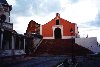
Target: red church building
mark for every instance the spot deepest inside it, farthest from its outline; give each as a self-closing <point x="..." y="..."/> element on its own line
<point x="59" y="28"/>
<point x="58" y="37"/>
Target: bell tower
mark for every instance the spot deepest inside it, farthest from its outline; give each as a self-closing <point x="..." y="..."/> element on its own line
<point x="5" y="9"/>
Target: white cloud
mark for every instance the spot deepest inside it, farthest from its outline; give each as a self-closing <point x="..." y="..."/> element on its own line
<point x="11" y="2"/>
<point x="21" y="25"/>
<point x="80" y="12"/>
<point x="22" y="22"/>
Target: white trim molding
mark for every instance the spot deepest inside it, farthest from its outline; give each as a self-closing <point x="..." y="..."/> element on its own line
<point x="57" y="26"/>
<point x="67" y="37"/>
<point x="40" y="29"/>
<point x="48" y="37"/>
<point x="63" y="37"/>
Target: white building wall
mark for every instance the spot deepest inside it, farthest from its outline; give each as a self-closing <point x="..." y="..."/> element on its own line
<point x="40" y="29"/>
<point x="7" y="16"/>
<point x="76" y="32"/>
<point x="90" y="43"/>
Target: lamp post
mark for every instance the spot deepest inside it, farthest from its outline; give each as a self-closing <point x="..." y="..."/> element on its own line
<point x="73" y="57"/>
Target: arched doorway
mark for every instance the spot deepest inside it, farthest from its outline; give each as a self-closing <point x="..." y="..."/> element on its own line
<point x="57" y="33"/>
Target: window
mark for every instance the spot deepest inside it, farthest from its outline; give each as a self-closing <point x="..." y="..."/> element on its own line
<point x="57" y="22"/>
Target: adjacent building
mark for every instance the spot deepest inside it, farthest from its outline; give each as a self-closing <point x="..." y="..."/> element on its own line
<point x="11" y="43"/>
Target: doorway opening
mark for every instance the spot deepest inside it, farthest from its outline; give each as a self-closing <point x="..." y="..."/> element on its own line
<point x="57" y="33"/>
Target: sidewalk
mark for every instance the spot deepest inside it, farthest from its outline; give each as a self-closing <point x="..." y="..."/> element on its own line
<point x="10" y="61"/>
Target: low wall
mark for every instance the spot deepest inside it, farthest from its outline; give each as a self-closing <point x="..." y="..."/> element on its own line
<point x="90" y="43"/>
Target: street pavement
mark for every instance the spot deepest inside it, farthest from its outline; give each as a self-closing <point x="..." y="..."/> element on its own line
<point x="55" y="61"/>
<point x="43" y="61"/>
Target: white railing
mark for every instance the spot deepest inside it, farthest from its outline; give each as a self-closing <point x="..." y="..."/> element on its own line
<point x="38" y="45"/>
<point x="4" y="53"/>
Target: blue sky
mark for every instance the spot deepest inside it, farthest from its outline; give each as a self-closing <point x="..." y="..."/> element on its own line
<point x="85" y="13"/>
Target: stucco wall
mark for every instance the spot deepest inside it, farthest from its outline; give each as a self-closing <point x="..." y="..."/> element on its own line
<point x="47" y="29"/>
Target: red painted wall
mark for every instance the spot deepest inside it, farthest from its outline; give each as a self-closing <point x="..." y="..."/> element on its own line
<point x="67" y="27"/>
<point x="47" y="30"/>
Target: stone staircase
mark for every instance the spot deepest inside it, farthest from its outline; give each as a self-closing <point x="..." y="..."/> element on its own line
<point x="60" y="47"/>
